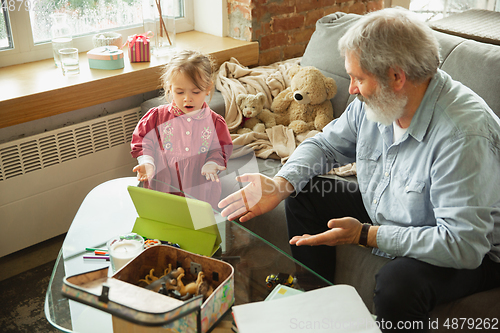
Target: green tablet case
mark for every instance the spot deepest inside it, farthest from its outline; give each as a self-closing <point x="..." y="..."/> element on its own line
<point x="188" y="222"/>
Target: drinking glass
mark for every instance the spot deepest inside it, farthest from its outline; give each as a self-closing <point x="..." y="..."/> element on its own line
<point x="61" y="35"/>
<point x="69" y="61"/>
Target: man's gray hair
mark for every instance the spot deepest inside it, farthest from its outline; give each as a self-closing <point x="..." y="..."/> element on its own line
<point x="393" y="38"/>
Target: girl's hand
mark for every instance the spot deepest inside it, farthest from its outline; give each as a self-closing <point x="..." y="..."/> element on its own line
<point x="210" y="171"/>
<point x="144" y="171"/>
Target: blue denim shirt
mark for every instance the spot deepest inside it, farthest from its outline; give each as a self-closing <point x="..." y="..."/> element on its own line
<point x="434" y="192"/>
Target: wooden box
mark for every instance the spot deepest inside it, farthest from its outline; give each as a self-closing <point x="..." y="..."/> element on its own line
<point x="137" y="309"/>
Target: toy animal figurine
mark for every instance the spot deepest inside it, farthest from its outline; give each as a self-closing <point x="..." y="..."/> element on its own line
<point x="171" y="284"/>
<point x="169" y="277"/>
<point x="190" y="288"/>
<point x="195" y="288"/>
<point x="204" y="288"/>
<point x="280" y="278"/>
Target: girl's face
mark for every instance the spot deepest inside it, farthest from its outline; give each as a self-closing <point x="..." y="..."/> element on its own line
<point x="186" y="95"/>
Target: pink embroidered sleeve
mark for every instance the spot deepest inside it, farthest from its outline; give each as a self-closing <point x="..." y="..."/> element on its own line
<point x="144" y="137"/>
<point x="221" y="149"/>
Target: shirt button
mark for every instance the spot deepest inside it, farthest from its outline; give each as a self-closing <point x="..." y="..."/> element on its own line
<point x="187" y="132"/>
<point x="187" y="148"/>
<point x="407" y="188"/>
<point x="374" y="201"/>
<point x="189" y="119"/>
<point x="387" y="174"/>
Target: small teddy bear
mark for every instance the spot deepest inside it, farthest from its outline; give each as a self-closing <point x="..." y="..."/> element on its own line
<point x="255" y="117"/>
<point x="305" y="105"/>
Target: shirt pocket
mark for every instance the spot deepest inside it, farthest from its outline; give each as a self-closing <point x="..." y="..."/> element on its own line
<point x="414" y="186"/>
<point x="414" y="201"/>
<point x="366" y="166"/>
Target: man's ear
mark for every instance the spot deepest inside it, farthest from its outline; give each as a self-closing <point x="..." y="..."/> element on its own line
<point x="397" y="78"/>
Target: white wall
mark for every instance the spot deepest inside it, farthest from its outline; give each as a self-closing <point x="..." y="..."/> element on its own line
<point x="210" y="16"/>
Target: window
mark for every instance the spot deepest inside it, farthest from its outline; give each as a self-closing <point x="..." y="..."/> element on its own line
<point x="437" y="9"/>
<point x="25" y="26"/>
<point x="5" y="35"/>
<point x="83" y="16"/>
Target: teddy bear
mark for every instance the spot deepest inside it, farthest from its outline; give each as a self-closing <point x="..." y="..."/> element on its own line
<point x="255" y="117"/>
<point x="305" y="105"/>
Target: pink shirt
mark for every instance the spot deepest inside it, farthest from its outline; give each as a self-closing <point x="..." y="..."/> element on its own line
<point x="180" y="145"/>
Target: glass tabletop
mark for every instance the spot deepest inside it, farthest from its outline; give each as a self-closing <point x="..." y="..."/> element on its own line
<point x="108" y="210"/>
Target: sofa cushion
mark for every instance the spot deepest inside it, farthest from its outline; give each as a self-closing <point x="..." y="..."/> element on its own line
<point x="447" y="43"/>
<point x="476" y="65"/>
<point x="322" y="52"/>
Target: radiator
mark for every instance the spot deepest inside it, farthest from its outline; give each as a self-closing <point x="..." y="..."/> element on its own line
<point x="44" y="178"/>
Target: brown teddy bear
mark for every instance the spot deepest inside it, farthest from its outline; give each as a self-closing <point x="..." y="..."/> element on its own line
<point x="305" y="105"/>
<point x="255" y="117"/>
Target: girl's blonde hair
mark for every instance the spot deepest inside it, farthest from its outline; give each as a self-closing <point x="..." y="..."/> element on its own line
<point x="198" y="67"/>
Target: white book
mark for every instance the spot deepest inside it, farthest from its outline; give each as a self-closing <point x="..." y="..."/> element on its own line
<point x="336" y="308"/>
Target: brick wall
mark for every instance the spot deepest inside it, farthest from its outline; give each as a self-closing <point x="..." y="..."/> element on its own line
<point x="283" y="27"/>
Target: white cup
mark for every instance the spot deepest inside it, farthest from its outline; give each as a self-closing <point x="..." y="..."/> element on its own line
<point x="69" y="61"/>
<point x="124" y="248"/>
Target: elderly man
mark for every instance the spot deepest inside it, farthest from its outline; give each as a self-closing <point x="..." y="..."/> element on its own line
<point x="427" y="150"/>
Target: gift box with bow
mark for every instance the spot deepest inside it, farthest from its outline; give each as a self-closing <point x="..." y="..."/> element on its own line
<point x="105" y="57"/>
<point x="139" y="47"/>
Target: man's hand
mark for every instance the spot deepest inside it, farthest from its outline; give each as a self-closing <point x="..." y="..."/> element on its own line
<point x="259" y="197"/>
<point x="144" y="171"/>
<point x="345" y="230"/>
<point x="210" y="171"/>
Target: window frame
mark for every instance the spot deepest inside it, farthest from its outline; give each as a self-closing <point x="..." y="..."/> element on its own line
<point x="24" y="50"/>
<point x="6" y="19"/>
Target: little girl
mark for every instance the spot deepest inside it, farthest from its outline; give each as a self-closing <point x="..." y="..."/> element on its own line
<point x="181" y="147"/>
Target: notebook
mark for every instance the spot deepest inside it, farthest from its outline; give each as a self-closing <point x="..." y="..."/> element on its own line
<point x="188" y="222"/>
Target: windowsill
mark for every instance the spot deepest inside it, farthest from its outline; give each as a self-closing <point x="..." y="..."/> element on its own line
<point x="38" y="89"/>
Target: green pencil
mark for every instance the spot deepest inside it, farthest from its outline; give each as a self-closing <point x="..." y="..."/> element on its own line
<point x="93" y="249"/>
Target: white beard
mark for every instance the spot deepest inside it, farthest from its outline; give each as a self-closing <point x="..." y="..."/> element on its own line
<point x="384" y="106"/>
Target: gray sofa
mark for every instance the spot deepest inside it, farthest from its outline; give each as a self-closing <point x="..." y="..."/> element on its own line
<point x="475" y="64"/>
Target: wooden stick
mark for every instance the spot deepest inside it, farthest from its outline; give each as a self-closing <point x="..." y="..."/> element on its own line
<point x="162" y="23"/>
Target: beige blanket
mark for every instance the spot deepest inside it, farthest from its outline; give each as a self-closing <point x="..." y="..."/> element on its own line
<point x="278" y="142"/>
<point x="234" y="79"/>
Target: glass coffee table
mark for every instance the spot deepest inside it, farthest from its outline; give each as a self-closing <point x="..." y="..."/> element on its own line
<point x="108" y="210"/>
